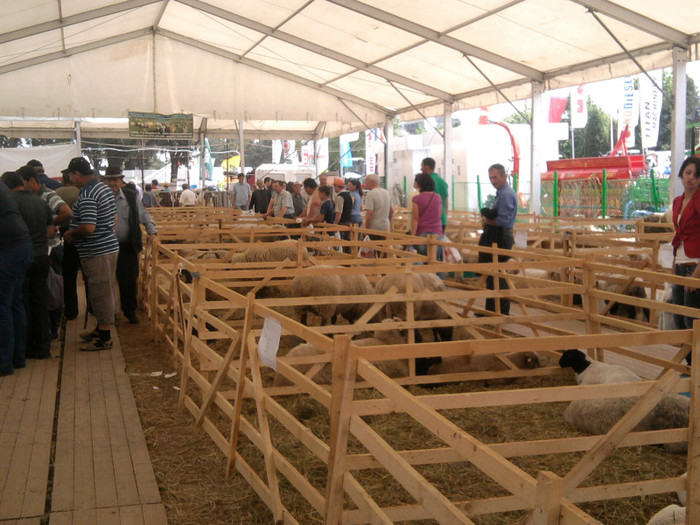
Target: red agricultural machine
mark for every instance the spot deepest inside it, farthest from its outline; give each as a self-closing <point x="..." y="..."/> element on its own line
<point x="591" y="186"/>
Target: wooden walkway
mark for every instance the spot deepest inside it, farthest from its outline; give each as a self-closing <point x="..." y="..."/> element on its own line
<point x="100" y="470"/>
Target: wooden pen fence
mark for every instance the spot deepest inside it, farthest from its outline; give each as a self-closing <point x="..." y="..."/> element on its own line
<point x="212" y="315"/>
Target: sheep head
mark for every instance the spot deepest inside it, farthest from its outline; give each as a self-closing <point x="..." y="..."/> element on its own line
<point x="575" y="359"/>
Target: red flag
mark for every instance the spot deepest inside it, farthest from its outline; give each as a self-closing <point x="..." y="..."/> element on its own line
<point x="557" y="106"/>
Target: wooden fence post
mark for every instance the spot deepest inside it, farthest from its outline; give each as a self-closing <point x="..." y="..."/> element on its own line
<point x="342" y="390"/>
<point x="693" y="481"/>
<point x="547" y="499"/>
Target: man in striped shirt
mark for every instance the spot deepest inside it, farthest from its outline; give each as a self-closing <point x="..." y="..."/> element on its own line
<point x="92" y="231"/>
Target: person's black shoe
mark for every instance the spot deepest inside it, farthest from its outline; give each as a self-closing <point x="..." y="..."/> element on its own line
<point x="133" y="319"/>
<point x="89" y="335"/>
<point x="21" y="365"/>
<point x="96" y="345"/>
<point x="6" y="371"/>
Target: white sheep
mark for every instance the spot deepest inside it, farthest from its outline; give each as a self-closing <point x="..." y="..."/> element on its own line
<point x="392" y="368"/>
<point x="597" y="416"/>
<point x="671" y="515"/>
<point x="594" y="372"/>
<point x="321" y="284"/>
<point x="326" y="284"/>
<point x="667" y="320"/>
<point x="353" y="284"/>
<point x="269" y="252"/>
<point x="422" y="310"/>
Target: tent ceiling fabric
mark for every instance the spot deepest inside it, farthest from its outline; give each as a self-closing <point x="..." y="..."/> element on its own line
<point x="348" y="63"/>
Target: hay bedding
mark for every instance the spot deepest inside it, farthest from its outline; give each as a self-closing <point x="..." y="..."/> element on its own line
<point x="189" y="467"/>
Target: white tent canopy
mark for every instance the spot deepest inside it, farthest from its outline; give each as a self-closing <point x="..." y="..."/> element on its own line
<point x="297" y="68"/>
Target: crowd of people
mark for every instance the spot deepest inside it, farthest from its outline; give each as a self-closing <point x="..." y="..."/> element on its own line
<point x="50" y="232"/>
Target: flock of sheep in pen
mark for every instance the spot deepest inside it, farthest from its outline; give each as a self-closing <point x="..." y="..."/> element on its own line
<point x="595" y="416"/>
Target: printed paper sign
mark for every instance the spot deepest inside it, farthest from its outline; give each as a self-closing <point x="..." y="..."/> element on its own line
<point x="269" y="342"/>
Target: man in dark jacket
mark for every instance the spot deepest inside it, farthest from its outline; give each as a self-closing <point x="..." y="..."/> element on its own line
<point x="15" y="256"/>
<point x="39" y="219"/>
<point x="130" y="214"/>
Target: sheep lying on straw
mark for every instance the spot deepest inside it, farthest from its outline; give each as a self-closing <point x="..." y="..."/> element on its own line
<point x="597" y="416"/>
<point x="392" y="368"/>
<point x="671" y="515"/>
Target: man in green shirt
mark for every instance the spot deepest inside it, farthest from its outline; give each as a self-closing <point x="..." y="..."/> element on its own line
<point x="427" y="166"/>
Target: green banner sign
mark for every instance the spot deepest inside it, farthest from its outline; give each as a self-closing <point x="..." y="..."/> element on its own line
<point x="155" y="125"/>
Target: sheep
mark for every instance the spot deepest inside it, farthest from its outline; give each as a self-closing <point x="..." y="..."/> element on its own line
<point x="325" y="284"/>
<point x="484" y="363"/>
<point x="422" y="310"/>
<point x="392" y="368"/>
<point x="667" y="320"/>
<point x="278" y="251"/>
<point x="597" y="416"/>
<point x="671" y="515"/>
<point x="353" y="284"/>
<point x="621" y="309"/>
<point x="683" y="494"/>
<point x="310" y="286"/>
<point x="594" y="372"/>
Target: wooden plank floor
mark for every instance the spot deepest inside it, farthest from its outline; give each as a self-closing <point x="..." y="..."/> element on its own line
<point x="27" y="405"/>
<point x="102" y="472"/>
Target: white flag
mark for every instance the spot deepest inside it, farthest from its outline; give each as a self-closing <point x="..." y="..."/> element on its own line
<point x="651" y="100"/>
<point x="628" y="112"/>
<point x="579" y="110"/>
<point x="322" y="155"/>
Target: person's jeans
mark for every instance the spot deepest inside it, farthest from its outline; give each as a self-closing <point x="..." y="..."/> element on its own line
<point x="422" y="249"/>
<point x="13" y="321"/>
<point x="36" y="303"/>
<point x="681" y="297"/>
<point x="70" y="265"/>
<point x="127" y="277"/>
<point x="505" y="240"/>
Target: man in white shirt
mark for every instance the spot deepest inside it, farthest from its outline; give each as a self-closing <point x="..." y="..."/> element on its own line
<point x="281" y="204"/>
<point x="187" y="197"/>
<point x="241" y="194"/>
<point x="378" y="209"/>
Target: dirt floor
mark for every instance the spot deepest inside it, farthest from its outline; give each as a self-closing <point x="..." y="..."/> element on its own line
<point x="190" y="469"/>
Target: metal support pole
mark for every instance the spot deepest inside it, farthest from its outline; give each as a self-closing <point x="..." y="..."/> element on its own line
<point x="537" y="129"/>
<point x="241" y="147"/>
<point x="604" y="196"/>
<point x="678" y="119"/>
<point x="447" y="145"/>
<point x="389" y="166"/>
<point x="654" y="189"/>
<point x="478" y="191"/>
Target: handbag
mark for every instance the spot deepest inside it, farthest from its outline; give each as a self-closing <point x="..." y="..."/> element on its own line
<point x="55" y="285"/>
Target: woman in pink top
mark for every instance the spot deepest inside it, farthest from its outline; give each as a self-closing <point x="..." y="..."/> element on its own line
<point x="426" y="212"/>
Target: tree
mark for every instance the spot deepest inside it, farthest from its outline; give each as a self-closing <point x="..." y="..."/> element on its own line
<point x="592" y="140"/>
<point x="691" y="107"/>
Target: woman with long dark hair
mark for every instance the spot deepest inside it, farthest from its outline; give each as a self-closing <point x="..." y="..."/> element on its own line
<point x="686" y="242"/>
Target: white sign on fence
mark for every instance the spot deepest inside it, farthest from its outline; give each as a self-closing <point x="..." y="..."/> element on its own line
<point x="269" y="342"/>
